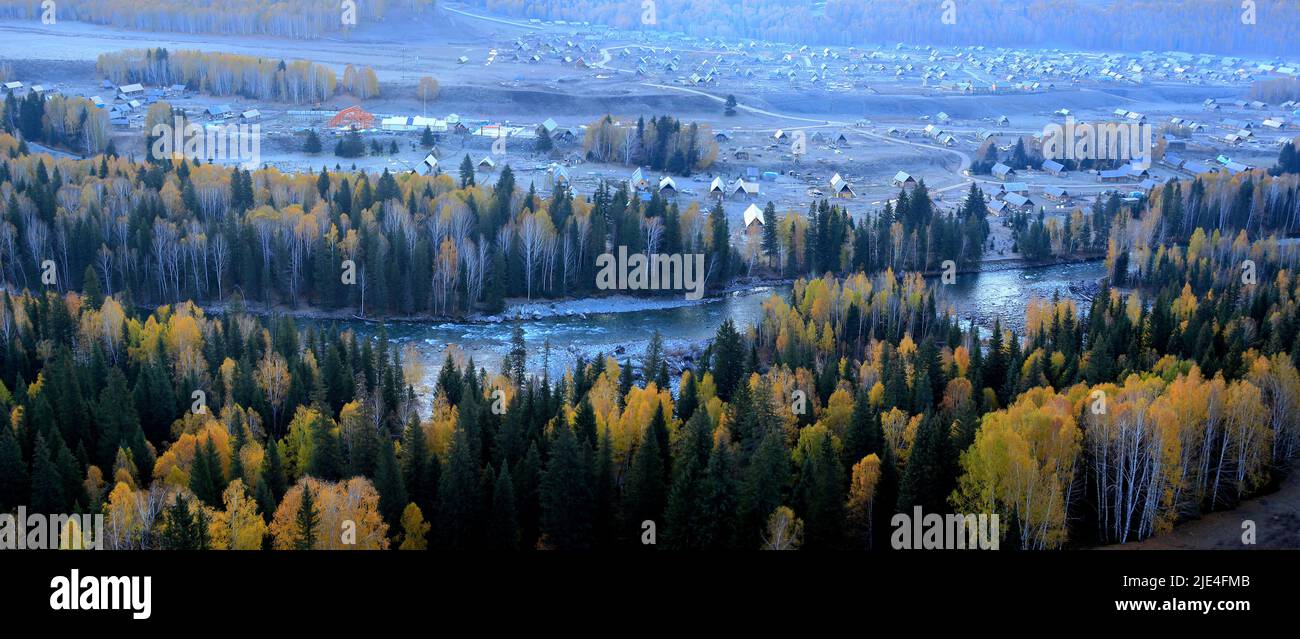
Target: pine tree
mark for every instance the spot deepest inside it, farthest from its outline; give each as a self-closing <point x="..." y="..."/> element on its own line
<point x="544" y="142"/>
<point x="565" y="494"/>
<point x="116" y="417"/>
<point x="13" y="472"/>
<point x="202" y="482"/>
<point x="306" y="520"/>
<point x="351" y="146"/>
<point x="605" y="493"/>
<point x="71" y="473"/>
<point x="466" y="172"/>
<point x="645" y="492"/>
<point x="659" y="428"/>
<point x="91" y="288"/>
<point x="820" y="495"/>
<point x="323" y="184"/>
<point x="655" y="367"/>
<point x="494" y="296"/>
<point x="771" y="245"/>
<point x="185" y="527"/>
<point x="995" y="364"/>
<point x="450" y="383"/>
<point x="624" y="381"/>
<point x="895" y="383"/>
<point x="312" y="143"/>
<point x="930" y="476"/>
<point x="1019" y="159"/>
<point x="389" y="485"/>
<point x="266" y="503"/>
<point x="721" y="500"/>
<point x="743" y="420"/>
<point x="864" y="436"/>
<point x="236" y="445"/>
<point x="584" y="423"/>
<point x="728" y="359"/>
<point x="922" y="400"/>
<point x="517" y="359"/>
<point x="684" y="524"/>
<point x="886" y="496"/>
<point x="766" y="480"/>
<point x="460" y="500"/>
<point x="687" y="401"/>
<point x="47" y="485"/>
<point x="362" y="444"/>
<point x="975" y="371"/>
<point x="419" y="470"/>
<point x="720" y="259"/>
<point x="528" y="480"/>
<point x="503" y="529"/>
<point x="155" y="401"/>
<point x="273" y="471"/>
<point x="326" y="461"/>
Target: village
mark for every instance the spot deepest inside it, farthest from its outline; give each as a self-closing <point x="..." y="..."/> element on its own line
<point x="791" y="123"/>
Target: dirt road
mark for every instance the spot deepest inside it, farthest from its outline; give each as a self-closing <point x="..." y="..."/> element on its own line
<point x="1276" y="519"/>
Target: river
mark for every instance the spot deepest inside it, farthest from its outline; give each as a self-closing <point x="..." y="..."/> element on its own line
<point x="985" y="296"/>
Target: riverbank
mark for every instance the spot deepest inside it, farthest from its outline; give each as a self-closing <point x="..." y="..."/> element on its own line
<point x="1021" y="264"/>
<point x="516" y="308"/>
<point x="583" y="307"/>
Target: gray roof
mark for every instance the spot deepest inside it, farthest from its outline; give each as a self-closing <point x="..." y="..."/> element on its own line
<point x="1015" y="199"/>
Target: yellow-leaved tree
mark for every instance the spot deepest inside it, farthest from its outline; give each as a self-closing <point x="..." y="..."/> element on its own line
<point x="1022" y="466"/>
<point x="345" y="516"/>
<point x="414" y="529"/>
<point x="638" y="410"/>
<point x="173" y="467"/>
<point x="238" y="527"/>
<point x="862" y="495"/>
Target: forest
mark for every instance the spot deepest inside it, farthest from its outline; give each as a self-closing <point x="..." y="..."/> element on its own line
<point x="1030" y="155"/>
<point x="70" y="122"/>
<point x="295" y="431"/>
<point x="225" y="74"/>
<point x="856" y="396"/>
<point x="303" y="19"/>
<point x="662" y="143"/>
